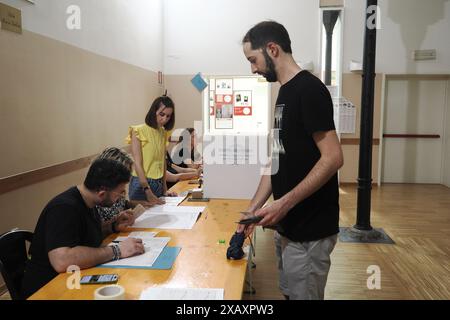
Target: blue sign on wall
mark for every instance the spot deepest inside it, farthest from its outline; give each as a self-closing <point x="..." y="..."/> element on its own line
<point x="199" y="83"/>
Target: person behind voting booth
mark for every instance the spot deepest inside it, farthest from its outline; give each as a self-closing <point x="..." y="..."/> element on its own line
<point x="184" y="153"/>
<point x="111" y="213"/>
<point x="180" y="171"/>
<point x="148" y="148"/>
<point x="305" y="210"/>
<point x="69" y="231"/>
<point x="175" y="173"/>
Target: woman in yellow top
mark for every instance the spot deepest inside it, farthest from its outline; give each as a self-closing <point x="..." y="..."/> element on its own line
<point x="148" y="148"/>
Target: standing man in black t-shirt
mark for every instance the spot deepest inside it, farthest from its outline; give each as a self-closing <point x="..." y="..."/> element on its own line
<point x="69" y="231"/>
<point x="307" y="155"/>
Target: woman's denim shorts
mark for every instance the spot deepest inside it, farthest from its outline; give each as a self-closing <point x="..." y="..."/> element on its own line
<point x="135" y="191"/>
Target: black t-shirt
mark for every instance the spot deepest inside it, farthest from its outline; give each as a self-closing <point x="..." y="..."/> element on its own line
<point x="170" y="169"/>
<point x="66" y="221"/>
<point x="304" y="106"/>
<point x="169" y="163"/>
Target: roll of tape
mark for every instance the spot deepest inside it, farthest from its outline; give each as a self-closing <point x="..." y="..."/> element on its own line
<point x="112" y="292"/>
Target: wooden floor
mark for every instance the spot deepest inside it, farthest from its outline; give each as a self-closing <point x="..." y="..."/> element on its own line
<point x="416" y="217"/>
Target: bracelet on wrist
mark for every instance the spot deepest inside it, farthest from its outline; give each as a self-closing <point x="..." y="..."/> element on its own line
<point x="119" y="253"/>
<point x="116" y="252"/>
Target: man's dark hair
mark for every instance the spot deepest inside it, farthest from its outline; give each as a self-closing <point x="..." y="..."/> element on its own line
<point x="150" y="118"/>
<point x="268" y="31"/>
<point x="106" y="174"/>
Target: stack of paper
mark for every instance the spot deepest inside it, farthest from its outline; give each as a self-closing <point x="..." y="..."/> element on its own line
<point x="168" y="217"/>
<point x="153" y="248"/>
<point x="144" y="235"/>
<point x="182" y="294"/>
<point x="173" y="201"/>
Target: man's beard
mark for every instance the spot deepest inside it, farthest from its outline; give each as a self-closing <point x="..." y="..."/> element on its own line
<point x="270" y="74"/>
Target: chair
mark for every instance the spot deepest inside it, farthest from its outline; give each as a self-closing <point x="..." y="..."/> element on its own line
<point x="13" y="257"/>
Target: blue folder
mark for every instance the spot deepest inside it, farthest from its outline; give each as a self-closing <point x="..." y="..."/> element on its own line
<point x="164" y="261"/>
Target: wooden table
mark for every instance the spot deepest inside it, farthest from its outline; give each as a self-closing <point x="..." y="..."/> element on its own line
<point x="201" y="263"/>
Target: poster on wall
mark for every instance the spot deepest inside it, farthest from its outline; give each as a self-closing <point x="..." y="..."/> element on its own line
<point x="212" y="84"/>
<point x="224" y="116"/>
<point x="224" y="98"/>
<point x="243" y="103"/>
<point x="224" y="86"/>
<point x="211" y="98"/>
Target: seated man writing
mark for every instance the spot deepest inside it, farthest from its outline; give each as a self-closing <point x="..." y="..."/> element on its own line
<point x="70" y="232"/>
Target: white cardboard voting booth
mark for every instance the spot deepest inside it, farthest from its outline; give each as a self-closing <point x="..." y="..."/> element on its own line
<point x="235" y="141"/>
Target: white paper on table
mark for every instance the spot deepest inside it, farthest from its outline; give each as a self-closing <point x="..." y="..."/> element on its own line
<point x="153" y="248"/>
<point x="168" y="217"/>
<point x="138" y="235"/>
<point x="138" y="210"/>
<point x="182" y="294"/>
<point x="174" y="209"/>
<point x="172" y="201"/>
<point x="166" y="220"/>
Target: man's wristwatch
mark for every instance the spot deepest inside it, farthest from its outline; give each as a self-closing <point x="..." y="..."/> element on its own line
<point x="145" y="188"/>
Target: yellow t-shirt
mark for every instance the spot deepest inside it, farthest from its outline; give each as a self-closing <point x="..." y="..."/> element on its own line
<point x="153" y="142"/>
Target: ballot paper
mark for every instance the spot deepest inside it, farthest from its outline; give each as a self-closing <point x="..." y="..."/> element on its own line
<point x="138" y="210"/>
<point x="168" y="217"/>
<point x="160" y="293"/>
<point x="172" y="201"/>
<point x="153" y="248"/>
<point x="144" y="235"/>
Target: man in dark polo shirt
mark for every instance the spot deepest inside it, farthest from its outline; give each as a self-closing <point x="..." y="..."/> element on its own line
<point x="69" y="230"/>
<point x="307" y="156"/>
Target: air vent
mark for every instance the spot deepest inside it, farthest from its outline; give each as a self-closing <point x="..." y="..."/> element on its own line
<point x="424" y="55"/>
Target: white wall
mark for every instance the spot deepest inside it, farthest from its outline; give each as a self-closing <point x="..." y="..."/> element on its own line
<point x="205" y="35"/>
<point x="406" y="25"/>
<point x="188" y="36"/>
<point x="126" y="30"/>
<point x="209" y="40"/>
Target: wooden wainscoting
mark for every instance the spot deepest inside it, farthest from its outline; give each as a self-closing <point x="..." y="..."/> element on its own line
<point x="21" y="180"/>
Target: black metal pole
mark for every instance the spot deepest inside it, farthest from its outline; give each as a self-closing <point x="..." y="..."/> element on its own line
<point x="329" y="21"/>
<point x="329" y="49"/>
<point x="366" y="134"/>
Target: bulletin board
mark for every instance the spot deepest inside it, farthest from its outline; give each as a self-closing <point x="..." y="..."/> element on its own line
<point x="237" y="104"/>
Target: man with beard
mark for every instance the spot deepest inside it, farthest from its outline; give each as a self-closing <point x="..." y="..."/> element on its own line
<point x="69" y="231"/>
<point x="307" y="155"/>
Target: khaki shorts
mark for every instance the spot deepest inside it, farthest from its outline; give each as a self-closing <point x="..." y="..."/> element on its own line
<point x="303" y="266"/>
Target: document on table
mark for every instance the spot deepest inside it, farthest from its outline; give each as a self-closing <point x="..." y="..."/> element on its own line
<point x="168" y="217"/>
<point x="173" y="201"/>
<point x="144" y="235"/>
<point x="153" y="248"/>
<point x="182" y="294"/>
<point x="138" y="211"/>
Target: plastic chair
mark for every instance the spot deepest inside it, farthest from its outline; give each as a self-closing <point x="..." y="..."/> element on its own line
<point x="13" y="258"/>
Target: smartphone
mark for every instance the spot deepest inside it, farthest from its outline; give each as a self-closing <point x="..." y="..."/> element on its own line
<point x="254" y="219"/>
<point x="99" y="279"/>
